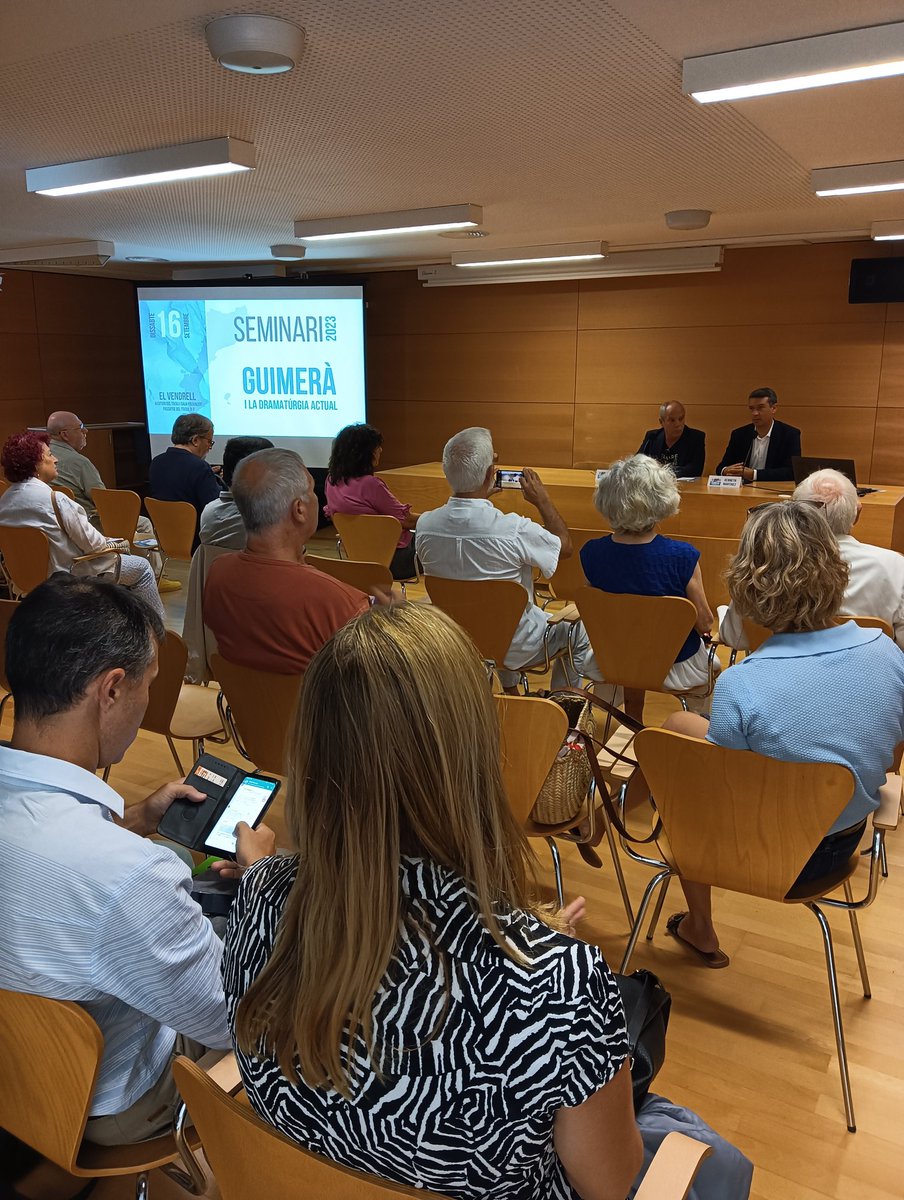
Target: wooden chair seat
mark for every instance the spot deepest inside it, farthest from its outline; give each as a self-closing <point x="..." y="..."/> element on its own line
<point x="196" y="714"/>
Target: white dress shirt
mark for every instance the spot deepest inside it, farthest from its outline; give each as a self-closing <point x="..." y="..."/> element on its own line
<point x="759" y="448"/>
<point x="94" y="913"/>
<point x="472" y="539"/>
<point x="222" y="524"/>
<point x="69" y="534"/>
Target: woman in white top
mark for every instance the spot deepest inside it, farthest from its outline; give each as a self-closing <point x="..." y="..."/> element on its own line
<point x="30" y="468"/>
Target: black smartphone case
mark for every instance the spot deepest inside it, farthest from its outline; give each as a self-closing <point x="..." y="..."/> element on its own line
<point x="188" y="822"/>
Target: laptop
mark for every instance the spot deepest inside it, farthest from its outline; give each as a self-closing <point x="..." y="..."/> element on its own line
<point x="802" y="467"/>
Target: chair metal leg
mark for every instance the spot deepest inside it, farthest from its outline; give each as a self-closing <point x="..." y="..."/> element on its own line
<point x="616" y="863"/>
<point x="141" y="1186"/>
<point x="836" y="1015"/>
<point x="858" y="944"/>
<point x="883" y="857"/>
<point x="557" y="867"/>
<point x="172" y="746"/>
<point x="641" y="914"/>
<point x="657" y="912"/>
<point x="106" y="774"/>
<point x="192" y="1179"/>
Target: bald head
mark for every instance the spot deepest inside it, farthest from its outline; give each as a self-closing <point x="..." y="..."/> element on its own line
<point x="838" y="494"/>
<point x="67" y="427"/>
<point x="671" y="418"/>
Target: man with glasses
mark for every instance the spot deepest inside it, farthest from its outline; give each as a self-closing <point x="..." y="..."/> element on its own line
<point x="180" y="472"/>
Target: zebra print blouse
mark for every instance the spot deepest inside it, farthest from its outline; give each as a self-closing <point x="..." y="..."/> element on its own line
<point x="469" y="1111"/>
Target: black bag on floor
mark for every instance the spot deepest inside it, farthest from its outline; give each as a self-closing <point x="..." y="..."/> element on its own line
<point x="647" y="1005"/>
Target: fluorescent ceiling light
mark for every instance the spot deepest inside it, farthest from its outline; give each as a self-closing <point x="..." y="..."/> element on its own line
<point x="194" y="160"/>
<point x="671" y="261"/>
<point x="521" y="256"/>
<point x="831" y="58"/>
<point x="62" y="254"/>
<point x="887" y="231"/>
<point x="858" y="180"/>
<point x="413" y="220"/>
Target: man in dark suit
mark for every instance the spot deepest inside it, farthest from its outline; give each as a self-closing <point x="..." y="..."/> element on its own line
<point x="764" y="448"/>
<point x="674" y="443"/>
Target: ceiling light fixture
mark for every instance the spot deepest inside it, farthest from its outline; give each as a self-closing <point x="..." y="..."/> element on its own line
<point x="253" y="44"/>
<point x="62" y="254"/>
<point x="287" y="251"/>
<point x="858" y="180"/>
<point x="831" y="58"/>
<point x="193" y="160"/>
<point x="414" y="220"/>
<point x="688" y="218"/>
<point x="670" y="261"/>
<point x="531" y="256"/>
<point x="887" y="231"/>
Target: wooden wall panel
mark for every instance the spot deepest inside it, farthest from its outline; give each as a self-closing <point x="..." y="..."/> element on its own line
<point x="524" y="434"/>
<point x="17" y="303"/>
<point x="86" y="305"/>
<point x="440" y="368"/>
<point x="98" y="377"/>
<point x="774" y="285"/>
<point x="805" y="364"/>
<point x="891" y="381"/>
<point x="888" y="446"/>
<point x="20" y="377"/>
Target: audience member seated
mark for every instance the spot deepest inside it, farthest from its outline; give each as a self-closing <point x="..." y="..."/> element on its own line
<point x="674" y="443"/>
<point x="266" y="608"/>
<point x="469" y="538"/>
<point x="352" y="487"/>
<point x="814" y="692"/>
<point x="91" y="909"/>
<point x="442" y="958"/>
<point x="180" y="472"/>
<point x="875" y="586"/>
<point x="221" y="521"/>
<point x="633" y="497"/>
<point x="30" y="468"/>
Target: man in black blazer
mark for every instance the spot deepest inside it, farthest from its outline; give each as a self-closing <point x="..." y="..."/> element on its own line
<point x="674" y="443"/>
<point x="764" y="448"/>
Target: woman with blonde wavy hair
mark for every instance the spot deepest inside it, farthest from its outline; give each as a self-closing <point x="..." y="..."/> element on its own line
<point x="816" y="691"/>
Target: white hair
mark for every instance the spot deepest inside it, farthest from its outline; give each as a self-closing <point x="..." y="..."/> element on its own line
<point x="839" y="494"/>
<point x="635" y="494"/>
<point x="265" y="486"/>
<point x="664" y="408"/>
<point x="466" y="459"/>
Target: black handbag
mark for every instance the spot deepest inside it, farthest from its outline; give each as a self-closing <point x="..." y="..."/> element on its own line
<point x="647" y="1005"/>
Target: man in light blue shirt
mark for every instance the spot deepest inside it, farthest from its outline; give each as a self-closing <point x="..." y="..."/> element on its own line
<point x="93" y="911"/>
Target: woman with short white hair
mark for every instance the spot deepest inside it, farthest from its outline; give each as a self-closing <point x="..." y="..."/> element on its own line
<point x="634" y="496"/>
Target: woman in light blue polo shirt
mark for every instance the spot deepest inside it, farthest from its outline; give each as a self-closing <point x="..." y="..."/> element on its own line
<point x="814" y="692"/>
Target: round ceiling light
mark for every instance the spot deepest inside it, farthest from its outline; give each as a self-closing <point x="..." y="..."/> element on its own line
<point x="287" y="251"/>
<point x="255" y="45"/>
<point x="688" y="218"/>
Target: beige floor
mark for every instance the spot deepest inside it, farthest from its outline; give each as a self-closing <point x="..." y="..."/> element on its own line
<point x="750" y="1048"/>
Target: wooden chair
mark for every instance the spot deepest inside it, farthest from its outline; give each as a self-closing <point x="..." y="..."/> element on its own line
<point x="756" y="635"/>
<point x="259" y="708"/>
<point x="175" y="523"/>
<point x="26" y="557"/>
<point x="370" y="577"/>
<point x="51" y="1052"/>
<point x="367" y="537"/>
<point x="249" y="1157"/>
<point x="118" y="510"/>
<point x="569" y="574"/>
<point x="741" y="821"/>
<point x="61" y="487"/>
<point x="184" y="711"/>
<point x="7" y="608"/>
<point x="4" y="484"/>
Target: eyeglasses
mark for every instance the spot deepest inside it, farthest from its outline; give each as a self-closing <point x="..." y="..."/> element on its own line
<point x="205" y="437"/>
<point x="772" y="503"/>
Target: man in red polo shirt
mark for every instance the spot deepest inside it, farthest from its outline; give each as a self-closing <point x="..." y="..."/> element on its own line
<point x="266" y="608"/>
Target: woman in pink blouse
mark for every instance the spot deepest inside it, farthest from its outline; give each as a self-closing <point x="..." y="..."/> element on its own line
<point x="352" y="487"/>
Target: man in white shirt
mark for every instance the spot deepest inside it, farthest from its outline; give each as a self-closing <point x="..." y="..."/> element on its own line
<point x="469" y="538"/>
<point x="876" y="581"/>
<point x="763" y="449"/>
<point x="91" y="910"/>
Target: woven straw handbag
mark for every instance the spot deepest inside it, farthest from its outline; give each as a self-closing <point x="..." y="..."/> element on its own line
<point x="565" y="787"/>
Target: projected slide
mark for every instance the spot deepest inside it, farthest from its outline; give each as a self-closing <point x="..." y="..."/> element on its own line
<point x="287" y="364"/>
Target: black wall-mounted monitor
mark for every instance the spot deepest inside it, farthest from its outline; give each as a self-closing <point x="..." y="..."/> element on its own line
<point x="876" y="281"/>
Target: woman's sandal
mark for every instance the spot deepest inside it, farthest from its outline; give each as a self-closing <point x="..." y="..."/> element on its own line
<point x="714" y="959"/>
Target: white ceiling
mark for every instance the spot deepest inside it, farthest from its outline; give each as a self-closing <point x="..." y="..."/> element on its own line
<point x="564" y="120"/>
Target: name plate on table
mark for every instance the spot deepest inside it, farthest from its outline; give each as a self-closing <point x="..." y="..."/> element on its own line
<point x="725" y="483"/>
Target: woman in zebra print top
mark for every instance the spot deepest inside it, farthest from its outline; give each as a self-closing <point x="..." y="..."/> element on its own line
<point x="399" y="1002"/>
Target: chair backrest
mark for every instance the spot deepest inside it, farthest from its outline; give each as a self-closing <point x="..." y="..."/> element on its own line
<point x="569" y="574"/>
<point x="175" y="522"/>
<point x="868" y="623"/>
<point x="250" y="1158"/>
<point x="163" y="695"/>
<point x="51" y="1052"/>
<point x="635" y="639"/>
<point x="368" y="537"/>
<point x="487" y="609"/>
<point x="262" y="706"/>
<point x="118" y="510"/>
<point x="755" y="634"/>
<point x="7" y="608"/>
<point x="370" y="577"/>
<point x="4" y="484"/>
<point x="26" y="555"/>
<point x="531" y="732"/>
<point x="736" y="819"/>
<point x="61" y="487"/>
